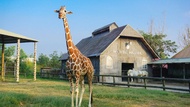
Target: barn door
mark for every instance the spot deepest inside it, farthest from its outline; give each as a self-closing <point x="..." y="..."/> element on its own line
<point x="125" y="67"/>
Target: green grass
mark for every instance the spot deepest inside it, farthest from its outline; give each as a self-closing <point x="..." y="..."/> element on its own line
<point x="55" y="93"/>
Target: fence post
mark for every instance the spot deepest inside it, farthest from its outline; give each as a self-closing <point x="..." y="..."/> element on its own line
<point x="102" y="79"/>
<point x="113" y="80"/>
<point x="128" y="79"/>
<point x="144" y="83"/>
<point x="189" y="86"/>
<point x="163" y="83"/>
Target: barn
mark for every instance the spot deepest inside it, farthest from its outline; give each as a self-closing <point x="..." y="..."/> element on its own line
<point x="114" y="50"/>
<point x="176" y="67"/>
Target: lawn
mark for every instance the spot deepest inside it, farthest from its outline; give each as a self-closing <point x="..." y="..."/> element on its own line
<point x="55" y="93"/>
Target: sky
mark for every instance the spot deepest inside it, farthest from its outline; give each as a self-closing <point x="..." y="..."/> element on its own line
<point x="36" y="19"/>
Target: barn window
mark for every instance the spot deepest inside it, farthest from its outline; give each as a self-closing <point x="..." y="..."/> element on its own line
<point x="109" y="62"/>
<point x="144" y="64"/>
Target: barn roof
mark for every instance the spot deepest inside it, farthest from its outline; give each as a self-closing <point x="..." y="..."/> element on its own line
<point x="10" y="37"/>
<point x="95" y="45"/>
<point x="104" y="28"/>
<point x="184" y="53"/>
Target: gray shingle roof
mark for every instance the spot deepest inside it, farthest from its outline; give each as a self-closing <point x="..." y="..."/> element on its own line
<point x="95" y="45"/>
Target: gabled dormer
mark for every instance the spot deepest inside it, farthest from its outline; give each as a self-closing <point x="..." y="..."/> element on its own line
<point x="105" y="29"/>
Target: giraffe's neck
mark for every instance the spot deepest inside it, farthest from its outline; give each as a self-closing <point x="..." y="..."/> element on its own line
<point x="69" y="42"/>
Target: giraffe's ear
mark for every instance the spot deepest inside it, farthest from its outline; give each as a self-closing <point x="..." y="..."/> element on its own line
<point x="69" y="12"/>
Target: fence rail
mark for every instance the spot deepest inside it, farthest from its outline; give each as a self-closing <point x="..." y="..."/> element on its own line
<point x="147" y="82"/>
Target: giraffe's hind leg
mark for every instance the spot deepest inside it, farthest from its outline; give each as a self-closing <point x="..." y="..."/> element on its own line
<point x="90" y="78"/>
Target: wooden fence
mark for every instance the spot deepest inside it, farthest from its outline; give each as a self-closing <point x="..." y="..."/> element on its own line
<point x="150" y="82"/>
<point x="147" y="82"/>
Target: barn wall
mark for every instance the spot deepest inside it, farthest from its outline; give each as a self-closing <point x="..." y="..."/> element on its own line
<point x="96" y="64"/>
<point x="123" y="50"/>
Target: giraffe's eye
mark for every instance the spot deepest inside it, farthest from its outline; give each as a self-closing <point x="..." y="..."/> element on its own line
<point x="65" y="11"/>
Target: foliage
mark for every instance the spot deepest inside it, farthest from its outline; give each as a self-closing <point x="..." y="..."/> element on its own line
<point x="24" y="68"/>
<point x="46" y="93"/>
<point x="54" y="60"/>
<point x="162" y="47"/>
<point x="23" y="55"/>
<point x="27" y="67"/>
<point x="43" y="60"/>
<point x="9" y="51"/>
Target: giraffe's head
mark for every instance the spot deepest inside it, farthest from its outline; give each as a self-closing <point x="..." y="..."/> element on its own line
<point x="62" y="12"/>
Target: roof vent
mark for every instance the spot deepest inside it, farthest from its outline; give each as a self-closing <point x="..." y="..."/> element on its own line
<point x="105" y="29"/>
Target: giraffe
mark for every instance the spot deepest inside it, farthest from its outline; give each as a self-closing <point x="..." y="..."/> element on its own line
<point x="77" y="66"/>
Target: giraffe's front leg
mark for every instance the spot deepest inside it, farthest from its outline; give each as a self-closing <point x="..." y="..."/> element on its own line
<point x="72" y="93"/>
<point x="71" y="88"/>
<point x="82" y="90"/>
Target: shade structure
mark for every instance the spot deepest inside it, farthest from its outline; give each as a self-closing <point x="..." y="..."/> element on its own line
<point x="7" y="37"/>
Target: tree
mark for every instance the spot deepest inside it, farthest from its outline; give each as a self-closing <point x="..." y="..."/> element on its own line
<point x="9" y="51"/>
<point x="162" y="47"/>
<point x="43" y="60"/>
<point x="54" y="60"/>
<point x="24" y="68"/>
<point x="184" y="38"/>
<point x="23" y="55"/>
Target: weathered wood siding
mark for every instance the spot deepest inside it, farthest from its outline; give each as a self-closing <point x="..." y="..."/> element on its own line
<point x="118" y="52"/>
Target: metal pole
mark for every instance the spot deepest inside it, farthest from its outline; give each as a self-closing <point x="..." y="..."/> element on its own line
<point x="2" y="62"/>
<point x="18" y="60"/>
<point x="35" y="50"/>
